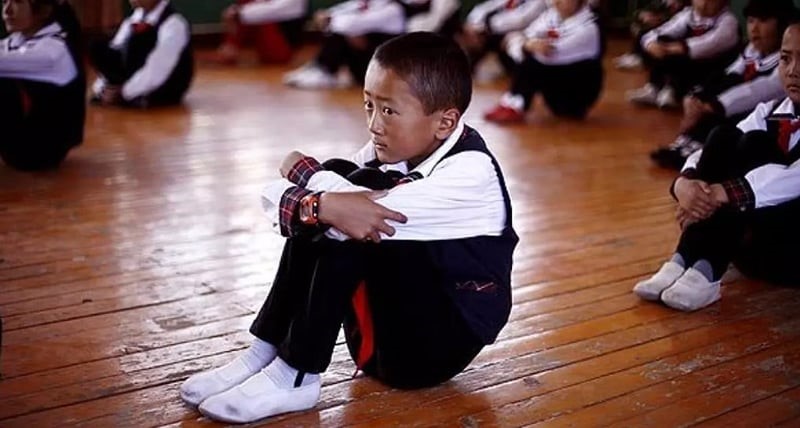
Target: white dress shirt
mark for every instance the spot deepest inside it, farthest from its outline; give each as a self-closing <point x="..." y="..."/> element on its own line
<point x="578" y="37"/>
<point x="173" y="37"/>
<point x="352" y="18"/>
<point x="723" y="33"/>
<point x="743" y="98"/>
<point x="459" y="197"/>
<point x="772" y="184"/>
<point x="434" y="19"/>
<point x="505" y="20"/>
<point x="265" y="11"/>
<point x="44" y="57"/>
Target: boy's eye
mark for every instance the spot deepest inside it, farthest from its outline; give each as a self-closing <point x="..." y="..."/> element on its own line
<point x="387" y="111"/>
<point x="784" y="58"/>
<point x="368" y="105"/>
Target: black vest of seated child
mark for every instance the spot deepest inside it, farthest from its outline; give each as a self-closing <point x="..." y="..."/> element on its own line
<point x="137" y="49"/>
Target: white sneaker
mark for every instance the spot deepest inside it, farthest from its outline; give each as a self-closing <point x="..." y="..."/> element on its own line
<point x="203" y="385"/>
<point x="645" y="95"/>
<point x="316" y="78"/>
<point x="261" y="396"/>
<point x="691" y="291"/>
<point x="629" y="61"/>
<point x="651" y="288"/>
<point x="666" y="98"/>
<point x="291" y="77"/>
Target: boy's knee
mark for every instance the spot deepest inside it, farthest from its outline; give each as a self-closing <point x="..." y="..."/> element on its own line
<point x="725" y="135"/>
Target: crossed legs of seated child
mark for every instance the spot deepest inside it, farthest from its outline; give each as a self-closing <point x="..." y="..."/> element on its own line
<point x="321" y="284"/>
<point x="691" y="279"/>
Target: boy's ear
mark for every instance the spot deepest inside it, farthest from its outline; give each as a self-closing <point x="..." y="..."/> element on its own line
<point x="447" y="123"/>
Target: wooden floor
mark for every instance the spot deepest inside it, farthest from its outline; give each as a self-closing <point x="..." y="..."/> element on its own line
<point x="143" y="260"/>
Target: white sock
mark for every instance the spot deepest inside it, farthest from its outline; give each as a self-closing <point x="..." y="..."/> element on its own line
<point x="203" y="385"/>
<point x="270" y="392"/>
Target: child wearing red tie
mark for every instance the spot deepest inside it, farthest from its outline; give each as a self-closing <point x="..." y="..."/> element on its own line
<point x="730" y="97"/>
<point x="739" y="201"/>
<point x="149" y="62"/>
<point x="697" y="43"/>
<point x="559" y="56"/>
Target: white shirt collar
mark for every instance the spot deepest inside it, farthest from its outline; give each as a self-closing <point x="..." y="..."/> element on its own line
<point x="17" y="39"/>
<point x="426" y="167"/>
<point x="152" y="17"/>
<point x="786" y="107"/>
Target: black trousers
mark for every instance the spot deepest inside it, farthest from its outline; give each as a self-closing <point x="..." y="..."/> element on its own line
<point x="494" y="43"/>
<point x="336" y="51"/>
<point x="763" y="242"/>
<point x="420" y="338"/>
<point x="117" y="67"/>
<point x="569" y="90"/>
<point x="28" y="121"/>
<point x="682" y="72"/>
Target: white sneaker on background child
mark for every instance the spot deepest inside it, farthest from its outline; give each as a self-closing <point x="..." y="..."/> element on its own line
<point x="666" y="98"/>
<point x="645" y="95"/>
<point x="651" y="288"/>
<point x="628" y="61"/>
<point x="692" y="291"/>
<point x="269" y="392"/>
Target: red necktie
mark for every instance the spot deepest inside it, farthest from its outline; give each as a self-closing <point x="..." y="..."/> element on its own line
<point x="364" y="320"/>
<point x="787" y="127"/>
<point x="141" y="27"/>
<point x="553" y="34"/>
<point x="699" y="31"/>
<point x="364" y="5"/>
<point x="750" y="70"/>
<point x="511" y="4"/>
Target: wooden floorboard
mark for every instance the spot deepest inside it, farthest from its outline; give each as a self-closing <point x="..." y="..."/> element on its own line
<point x="144" y="259"/>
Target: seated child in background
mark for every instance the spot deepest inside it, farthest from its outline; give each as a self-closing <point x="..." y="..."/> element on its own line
<point x="419" y="274"/>
<point x="42" y="84"/>
<point x="653" y="15"/>
<point x="730" y="97"/>
<point x="697" y="43"/>
<point x="739" y="201"/>
<point x="354" y="29"/>
<point x="240" y="19"/>
<point x="149" y="62"/>
<point x="489" y="22"/>
<point x="559" y="56"/>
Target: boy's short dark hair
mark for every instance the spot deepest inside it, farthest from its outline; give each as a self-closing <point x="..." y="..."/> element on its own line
<point x="435" y="67"/>
<point x="782" y="10"/>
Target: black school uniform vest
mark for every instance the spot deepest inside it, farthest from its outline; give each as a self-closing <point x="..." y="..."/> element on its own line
<point x="477" y="270"/>
<point x="58" y="113"/>
<point x="137" y="49"/>
<point x="773" y="130"/>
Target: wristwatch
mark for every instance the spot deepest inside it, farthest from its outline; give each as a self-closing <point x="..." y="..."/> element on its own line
<point x="309" y="209"/>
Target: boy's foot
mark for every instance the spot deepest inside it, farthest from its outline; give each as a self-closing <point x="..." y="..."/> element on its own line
<point x="666" y="98"/>
<point x="314" y="78"/>
<point x="206" y="384"/>
<point x="646" y="95"/>
<point x="267" y="393"/>
<point x="674" y="155"/>
<point x="502" y="114"/>
<point x="628" y="61"/>
<point x="651" y="288"/>
<point x="691" y="291"/>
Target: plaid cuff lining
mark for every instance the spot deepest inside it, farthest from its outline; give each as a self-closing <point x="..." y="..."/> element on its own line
<point x="303" y="170"/>
<point x="740" y="194"/>
<point x="288" y="207"/>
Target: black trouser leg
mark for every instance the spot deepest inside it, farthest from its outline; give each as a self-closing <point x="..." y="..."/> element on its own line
<point x="571" y="90"/>
<point x="109" y="63"/>
<point x="333" y="53"/>
<point x="308" y="300"/>
<point x="358" y="58"/>
<point x="527" y="80"/>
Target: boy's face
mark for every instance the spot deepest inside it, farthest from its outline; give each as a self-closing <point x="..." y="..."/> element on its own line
<point x="567" y="8"/>
<point x="708" y="8"/>
<point x="763" y="34"/>
<point x="144" y="4"/>
<point x="789" y="66"/>
<point x="400" y="129"/>
<point x="17" y="15"/>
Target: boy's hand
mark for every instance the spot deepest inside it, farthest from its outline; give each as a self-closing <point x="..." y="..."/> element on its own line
<point x="675" y="48"/>
<point x="684" y="218"/>
<point x="289" y="161"/>
<point x="656" y="49"/>
<point x="719" y="194"/>
<point x="111" y="95"/>
<point x="696" y="198"/>
<point x="231" y="14"/>
<point x="357" y="214"/>
<point x="321" y="20"/>
<point x="539" y="46"/>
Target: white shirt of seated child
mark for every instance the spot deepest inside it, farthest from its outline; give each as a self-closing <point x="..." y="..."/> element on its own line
<point x="360" y="17"/>
<point x="722" y="36"/>
<point x="743" y="98"/>
<point x="265" y="11"/>
<point x="578" y="37"/>
<point x="772" y="184"/>
<point x="506" y="20"/>
<point x="459" y="197"/>
<point x="44" y="57"/>
<point x="173" y="37"/>
<point x="434" y="19"/>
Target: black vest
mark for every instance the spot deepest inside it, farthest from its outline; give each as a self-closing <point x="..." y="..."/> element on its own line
<point x="137" y="49"/>
<point x="477" y="270"/>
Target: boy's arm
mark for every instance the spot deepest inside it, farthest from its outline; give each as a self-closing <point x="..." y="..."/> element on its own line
<point x="433" y="20"/>
<point x="272" y="11"/>
<point x="381" y="15"/>
<point x="580" y="45"/>
<point x="516" y="19"/>
<point x="122" y="35"/>
<point x="675" y="27"/>
<point x="477" y="16"/>
<point x="722" y="38"/>
<point x="26" y="63"/>
<point x="173" y="36"/>
<point x="742" y="98"/>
